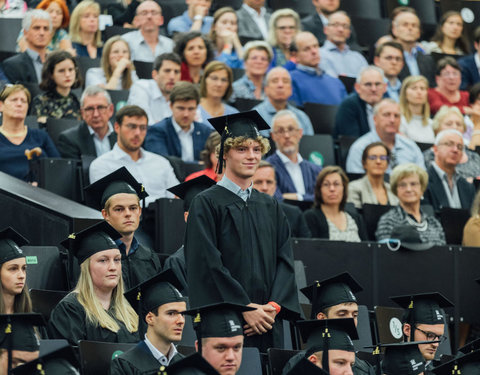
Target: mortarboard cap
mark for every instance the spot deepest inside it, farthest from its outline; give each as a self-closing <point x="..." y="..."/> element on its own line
<point x="243" y="124"/>
<point x="468" y="364"/>
<point x="305" y="367"/>
<point x="331" y="292"/>
<point x="194" y="364"/>
<point x="189" y="189"/>
<point x="17" y="331"/>
<point x="470" y="347"/>
<point x="62" y="361"/>
<point x="98" y="237"/>
<point x="424" y="308"/>
<point x="10" y="242"/>
<point x="120" y="181"/>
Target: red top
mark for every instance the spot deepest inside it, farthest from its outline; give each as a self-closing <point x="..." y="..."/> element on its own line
<point x="207" y="172"/>
<point x="185" y="73"/>
<point x="436" y="100"/>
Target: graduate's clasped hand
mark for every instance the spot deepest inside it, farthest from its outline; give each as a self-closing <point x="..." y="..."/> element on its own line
<point x="259" y="321"/>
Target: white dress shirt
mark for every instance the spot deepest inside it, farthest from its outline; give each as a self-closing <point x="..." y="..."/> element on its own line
<point x="158" y="355"/>
<point x="295" y="173"/>
<point x="146" y="94"/>
<point x="186" y="140"/>
<point x="102" y="146"/>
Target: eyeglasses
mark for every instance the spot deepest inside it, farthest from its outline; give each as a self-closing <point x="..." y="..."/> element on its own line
<point x="449" y="144"/>
<point x="283" y="28"/>
<point x="328" y="185"/>
<point x="283" y="132"/>
<point x="376" y="157"/>
<point x="142" y="128"/>
<point x="371" y="85"/>
<point x="454" y="74"/>
<point x="431" y="336"/>
<point x="393" y="58"/>
<point x="341" y="25"/>
<point x="404" y="185"/>
<point x="147" y="12"/>
<point x="91" y="110"/>
<point x="216" y="79"/>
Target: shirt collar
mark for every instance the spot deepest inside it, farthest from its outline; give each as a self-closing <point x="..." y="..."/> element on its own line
<point x="234" y="188"/>
<point x="179" y="130"/>
<point x="118" y="153"/>
<point x="249" y="83"/>
<point x="158" y="354"/>
<point x="123" y="248"/>
<point x="35" y="56"/>
<point x="442" y="174"/>
<point x="396" y="87"/>
<point x="328" y="45"/>
<point x="308" y="69"/>
<point x="323" y="18"/>
<point x="253" y="12"/>
<point x="285" y="160"/>
<point x="109" y="131"/>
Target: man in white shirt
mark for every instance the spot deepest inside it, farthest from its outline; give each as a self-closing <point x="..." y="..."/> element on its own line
<point x="153" y="171"/>
<point x="253" y="20"/>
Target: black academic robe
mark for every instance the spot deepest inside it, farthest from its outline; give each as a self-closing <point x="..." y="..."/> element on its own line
<point x="68" y="321"/>
<point x="139" y="266"/>
<point x="240" y="252"/>
<point x="176" y="262"/>
<point x="138" y="361"/>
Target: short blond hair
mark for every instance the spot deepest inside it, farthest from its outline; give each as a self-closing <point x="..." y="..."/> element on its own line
<point x="239" y="141"/>
<point x="74" y="29"/>
<point x="406" y="170"/>
<point x="443" y="112"/>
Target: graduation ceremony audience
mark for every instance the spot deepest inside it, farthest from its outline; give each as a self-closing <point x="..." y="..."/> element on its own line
<point x="253" y="20"/>
<point x="195" y="51"/>
<point x="389" y="58"/>
<point x="224" y="37"/>
<point x="284" y="24"/>
<point x="450" y="37"/>
<point x="84" y="30"/>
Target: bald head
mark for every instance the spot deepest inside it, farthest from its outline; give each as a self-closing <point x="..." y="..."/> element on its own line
<point x="149" y="16"/>
<point x="278" y="86"/>
<point x="308" y="49"/>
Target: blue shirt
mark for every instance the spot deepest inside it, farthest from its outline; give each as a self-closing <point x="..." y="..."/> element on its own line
<point x="141" y="51"/>
<point x="338" y="62"/>
<point x="244" y="88"/>
<point x="411" y="61"/>
<point x="123" y="248"/>
<point x="203" y="115"/>
<point x="393" y="92"/>
<point x="235" y="189"/>
<point x="230" y="59"/>
<point x="184" y="23"/>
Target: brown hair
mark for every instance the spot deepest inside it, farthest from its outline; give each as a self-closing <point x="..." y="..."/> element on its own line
<point x="211" y="144"/>
<point x="215" y="66"/>
<point x="183" y="91"/>
<point x="54" y="58"/>
<point x="216" y="16"/>
<point x="331" y="169"/>
<point x="130" y="111"/>
<point x="372" y="145"/>
<point x="462" y="42"/>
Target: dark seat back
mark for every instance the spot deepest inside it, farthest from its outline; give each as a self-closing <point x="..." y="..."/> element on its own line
<point x="322" y="117"/>
<point x="318" y="143"/>
<point x="251" y="362"/>
<point x="95" y="357"/>
<point x="278" y="358"/>
<point x="143" y="69"/>
<point x="44" y="301"/>
<point x="45" y="268"/>
<point x="453" y="220"/>
<point x="371" y="215"/>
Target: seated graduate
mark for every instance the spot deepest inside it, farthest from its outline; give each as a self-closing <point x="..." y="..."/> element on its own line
<point x="469" y="364"/>
<point x="403" y="358"/>
<point x="118" y="196"/>
<point x="96" y="309"/>
<point x="160" y="306"/>
<point x="328" y="218"/>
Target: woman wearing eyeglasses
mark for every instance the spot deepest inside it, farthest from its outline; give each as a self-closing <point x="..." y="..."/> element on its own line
<point x="328" y="217"/>
<point x="409" y="182"/>
<point x="372" y="187"/>
<point x="284" y="24"/>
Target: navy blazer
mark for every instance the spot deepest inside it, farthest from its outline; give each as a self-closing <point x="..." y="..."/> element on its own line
<point x="19" y="68"/>
<point x="285" y="183"/>
<point x="162" y="139"/>
<point x="470" y="74"/>
<point x="351" y="118"/>
<point x="435" y="194"/>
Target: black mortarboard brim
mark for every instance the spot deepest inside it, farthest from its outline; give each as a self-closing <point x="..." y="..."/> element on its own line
<point x="189" y="189"/>
<point x="194" y="364"/>
<point x="243" y="124"/>
<point x="154" y="292"/>
<point x="409" y="238"/>
<point x="332" y="291"/>
<point x="470" y="347"/>
<point x="58" y="362"/>
<point x="468" y="364"/>
<point x="423" y="308"/>
<point x="98" y="237"/>
<point x="120" y="181"/>
<point x="17" y="331"/>
<point x="305" y="367"/>
<point x="10" y="242"/>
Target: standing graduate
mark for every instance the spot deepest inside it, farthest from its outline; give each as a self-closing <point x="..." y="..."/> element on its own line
<point x="118" y="195"/>
<point x="96" y="309"/>
<point x="237" y="241"/>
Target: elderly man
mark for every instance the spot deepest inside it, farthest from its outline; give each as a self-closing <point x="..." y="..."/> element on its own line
<point x="278" y="88"/>
<point x="389" y="58"/>
<point x="355" y="114"/>
<point x="95" y="135"/>
<point x="195" y="18"/>
<point x="295" y="177"/>
<point x="386" y="116"/>
<point x="146" y="43"/>
<point x="27" y="66"/>
<point x="310" y="83"/>
<point x="445" y="187"/>
<point x="253" y="20"/>
<point x="337" y="57"/>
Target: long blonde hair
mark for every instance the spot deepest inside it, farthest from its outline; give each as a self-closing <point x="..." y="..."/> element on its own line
<point x="74" y="29"/>
<point x="404" y="109"/>
<point x="96" y="314"/>
<point x="108" y="68"/>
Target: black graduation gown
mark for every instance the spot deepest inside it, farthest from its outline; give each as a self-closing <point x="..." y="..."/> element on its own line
<point x="138" y="361"/>
<point x="68" y="321"/>
<point x="176" y="262"/>
<point x="240" y="252"/>
<point x="139" y="266"/>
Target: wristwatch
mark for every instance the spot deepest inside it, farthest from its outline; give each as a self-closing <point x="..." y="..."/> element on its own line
<point x="198" y="17"/>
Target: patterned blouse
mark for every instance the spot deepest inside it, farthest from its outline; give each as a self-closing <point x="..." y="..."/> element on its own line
<point x="52" y="104"/>
<point x="350" y="234"/>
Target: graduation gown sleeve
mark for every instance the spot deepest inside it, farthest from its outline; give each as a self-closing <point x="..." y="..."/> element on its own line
<point x="176" y="262"/>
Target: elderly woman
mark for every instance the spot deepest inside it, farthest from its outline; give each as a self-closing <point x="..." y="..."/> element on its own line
<point x="328" y="217"/>
<point x="195" y="51"/>
<point x="96" y="309"/>
<point x="84" y="29"/>
<point x="372" y="187"/>
<point x="409" y="182"/>
<point x="284" y="24"/>
<point x="224" y="37"/>
<point x="450" y="37"/>
<point x="452" y="118"/>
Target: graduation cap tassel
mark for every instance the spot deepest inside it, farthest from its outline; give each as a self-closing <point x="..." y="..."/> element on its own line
<point x="314" y="298"/>
<point x="376" y="353"/>
<point x="326" y="339"/>
<point x="220" y="162"/>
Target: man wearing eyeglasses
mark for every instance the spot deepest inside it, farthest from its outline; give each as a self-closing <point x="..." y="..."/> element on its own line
<point x="152" y="170"/>
<point x="389" y="58"/>
<point x="295" y="177"/>
<point x="95" y="135"/>
<point x="445" y="187"/>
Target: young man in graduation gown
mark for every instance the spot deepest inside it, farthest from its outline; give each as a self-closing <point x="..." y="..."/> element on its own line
<point x="237" y="246"/>
<point x="118" y="196"/>
<point x="160" y="306"/>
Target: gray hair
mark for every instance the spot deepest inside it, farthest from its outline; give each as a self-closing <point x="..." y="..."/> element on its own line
<point x="37" y="14"/>
<point x="284" y="113"/>
<point x="368" y="69"/>
<point x="276" y="69"/>
<point x="281" y="13"/>
<point x="377" y="106"/>
<point x="443" y="133"/>
<point x="93" y="91"/>
<point x="342" y="12"/>
<point x="257" y="44"/>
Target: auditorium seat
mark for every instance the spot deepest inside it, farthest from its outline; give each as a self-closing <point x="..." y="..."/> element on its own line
<point x="318" y="148"/>
<point x="371" y="214"/>
<point x="251" y="362"/>
<point x="9" y="30"/>
<point x="278" y="358"/>
<point x="143" y="69"/>
<point x="84" y="63"/>
<point x="364" y="8"/>
<point x="369" y="30"/>
<point x="45" y="268"/>
<point x="243" y="104"/>
<point x="322" y="117"/>
<point x="44" y="301"/>
<point x="453" y="220"/>
<point x="303" y="7"/>
<point x="343" y="145"/>
<point x="114" y="30"/>
<point x="95" y="357"/>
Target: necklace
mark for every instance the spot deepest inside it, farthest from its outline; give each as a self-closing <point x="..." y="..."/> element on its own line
<point x="11" y="135"/>
<point x="421" y="227"/>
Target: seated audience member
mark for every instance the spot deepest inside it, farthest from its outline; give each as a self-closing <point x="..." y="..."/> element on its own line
<point x="208" y="156"/>
<point x="215" y="90"/>
<point x="451" y="118"/>
<point x="472" y="118"/>
<point x="153" y="95"/>
<point x="257" y="57"/>
<point x="310" y="83"/>
<point x="295" y="176"/>
<point x="84" y="30"/>
<point x="154" y="171"/>
<point x="470" y="64"/>
<point x="95" y="135"/>
<point x="195" y="51"/>
<point x="264" y="180"/>
<point x="409" y="182"/>
<point x="179" y="135"/>
<point x="278" y="88"/>
<point x="16" y="138"/>
<point x="389" y="58"/>
<point x="224" y="37"/>
<point x="372" y="188"/>
<point x="195" y="18"/>
<point x="355" y="113"/>
<point x="328" y="218"/>
<point x="96" y="309"/>
<point x="27" y="66"/>
<point x="448" y="77"/>
<point x="283" y="26"/>
<point x="118" y="196"/>
<point x="337" y="57"/>
<point x="253" y="20"/>
<point x="416" y="123"/>
<point x="445" y="187"/>
<point x="160" y="308"/>
<point x="13" y="9"/>
<point x="146" y="43"/>
<point x="117" y="71"/>
<point x="450" y="36"/>
<point x="59" y="77"/>
<point x="386" y="116"/>
<point x="471" y="231"/>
